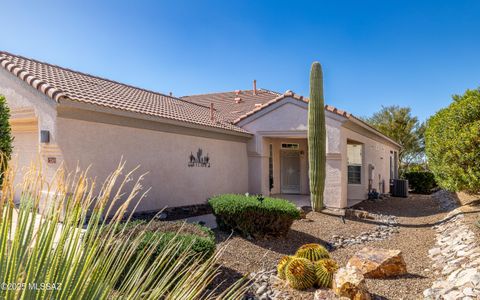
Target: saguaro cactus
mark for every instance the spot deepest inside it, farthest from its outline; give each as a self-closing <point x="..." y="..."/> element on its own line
<point x="316" y="137"/>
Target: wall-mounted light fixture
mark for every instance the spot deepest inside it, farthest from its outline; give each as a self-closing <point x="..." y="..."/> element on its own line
<point x="44" y="136"/>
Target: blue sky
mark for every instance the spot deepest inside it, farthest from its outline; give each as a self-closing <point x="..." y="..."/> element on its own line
<point x="374" y="53"/>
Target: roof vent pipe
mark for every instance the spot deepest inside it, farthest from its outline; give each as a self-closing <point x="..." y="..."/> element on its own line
<point x="254" y="86"/>
<point x="212" y="116"/>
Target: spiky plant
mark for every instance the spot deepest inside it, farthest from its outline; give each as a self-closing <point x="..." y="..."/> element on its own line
<point x="324" y="270"/>
<point x="300" y="273"/>
<point x="282" y="264"/>
<point x="313" y="252"/>
<point x="70" y="252"/>
<point x="317" y="138"/>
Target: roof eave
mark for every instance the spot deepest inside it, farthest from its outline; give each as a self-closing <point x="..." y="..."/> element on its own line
<point x="65" y="101"/>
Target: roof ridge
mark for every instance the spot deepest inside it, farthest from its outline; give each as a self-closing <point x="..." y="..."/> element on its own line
<point x="53" y="92"/>
<point x="227" y="92"/>
<point x="89" y="75"/>
<point x="270" y="91"/>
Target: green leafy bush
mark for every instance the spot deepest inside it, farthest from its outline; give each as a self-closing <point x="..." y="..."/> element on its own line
<point x="452" y="143"/>
<point x="199" y="239"/>
<point x="421" y="182"/>
<point x="6" y="138"/>
<point x="254" y="216"/>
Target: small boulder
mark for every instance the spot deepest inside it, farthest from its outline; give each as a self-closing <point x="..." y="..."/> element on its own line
<point x="350" y="283"/>
<point x="379" y="263"/>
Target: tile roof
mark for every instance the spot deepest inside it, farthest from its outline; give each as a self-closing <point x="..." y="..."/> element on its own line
<point x="250" y="104"/>
<point x="234" y="104"/>
<point x="60" y="83"/>
<point x="227" y="103"/>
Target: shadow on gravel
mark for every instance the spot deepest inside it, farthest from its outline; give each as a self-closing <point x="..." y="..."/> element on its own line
<point x="406" y="276"/>
<point x="415" y="206"/>
<point x="226" y="278"/>
<point x="286" y="246"/>
<point x="291" y="243"/>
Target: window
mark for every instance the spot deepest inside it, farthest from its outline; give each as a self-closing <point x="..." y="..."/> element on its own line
<point x="354" y="158"/>
<point x="354" y="174"/>
<point x="290" y="146"/>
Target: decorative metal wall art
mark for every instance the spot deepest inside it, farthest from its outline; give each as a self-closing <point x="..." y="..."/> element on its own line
<point x="199" y="160"/>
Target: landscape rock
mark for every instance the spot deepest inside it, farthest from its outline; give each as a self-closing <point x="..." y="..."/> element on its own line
<point x="387" y="226"/>
<point x="456" y="255"/>
<point x="349" y="282"/>
<point x="379" y="263"/>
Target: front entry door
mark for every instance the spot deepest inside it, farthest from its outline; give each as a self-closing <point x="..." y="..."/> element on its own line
<point x="290" y="172"/>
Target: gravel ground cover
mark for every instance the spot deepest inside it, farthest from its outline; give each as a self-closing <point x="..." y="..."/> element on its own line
<point x="415" y="216"/>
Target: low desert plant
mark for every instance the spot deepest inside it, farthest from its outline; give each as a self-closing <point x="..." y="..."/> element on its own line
<point x="282" y="264"/>
<point x="253" y="217"/>
<point x="324" y="271"/>
<point x="300" y="273"/>
<point x="69" y="251"/>
<point x="310" y="266"/>
<point x="421" y="182"/>
<point x="312" y="252"/>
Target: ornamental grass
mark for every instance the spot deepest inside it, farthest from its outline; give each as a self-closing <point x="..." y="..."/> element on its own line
<point x="66" y="239"/>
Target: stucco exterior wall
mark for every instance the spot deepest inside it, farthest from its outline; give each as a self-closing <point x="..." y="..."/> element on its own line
<point x="31" y="111"/>
<point x="287" y="122"/>
<point x="163" y="155"/>
<point x="375" y="153"/>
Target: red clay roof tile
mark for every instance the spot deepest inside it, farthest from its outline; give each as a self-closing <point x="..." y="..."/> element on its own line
<point x="57" y="83"/>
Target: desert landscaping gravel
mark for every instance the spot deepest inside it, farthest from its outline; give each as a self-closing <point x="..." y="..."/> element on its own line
<point x="415" y="217"/>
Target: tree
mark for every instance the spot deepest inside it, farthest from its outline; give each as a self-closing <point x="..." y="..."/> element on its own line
<point x="452" y="142"/>
<point x="316" y="137"/>
<point x="6" y="138"/>
<point x="398" y="123"/>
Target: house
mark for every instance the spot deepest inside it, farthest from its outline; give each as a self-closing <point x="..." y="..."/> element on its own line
<point x="192" y="147"/>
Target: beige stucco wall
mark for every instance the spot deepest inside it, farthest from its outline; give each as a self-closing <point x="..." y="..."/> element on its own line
<point x="375" y="153"/>
<point x="287" y="121"/>
<point x="163" y="155"/>
<point x="31" y="111"/>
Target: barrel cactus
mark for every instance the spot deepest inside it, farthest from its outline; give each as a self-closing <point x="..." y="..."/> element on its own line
<point x="313" y="252"/>
<point x="324" y="270"/>
<point x="316" y="137"/>
<point x="300" y="273"/>
<point x="282" y="264"/>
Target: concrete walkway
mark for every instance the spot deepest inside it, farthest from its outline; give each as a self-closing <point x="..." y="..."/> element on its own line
<point x="299" y="200"/>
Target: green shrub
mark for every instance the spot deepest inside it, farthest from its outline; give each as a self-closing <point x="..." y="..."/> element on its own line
<point x="421" y="182"/>
<point x="6" y="138"/>
<point x="453" y="145"/>
<point x="254" y="216"/>
<point x="194" y="238"/>
<point x="199" y="239"/>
